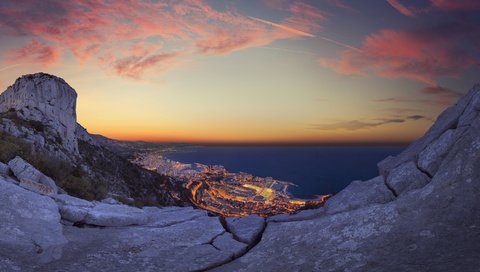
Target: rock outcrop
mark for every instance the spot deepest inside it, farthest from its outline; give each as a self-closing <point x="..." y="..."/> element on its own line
<point x="39" y="111"/>
<point x="30" y="229"/>
<point x="47" y="99"/>
<point x="429" y="221"/>
<point x="31" y="178"/>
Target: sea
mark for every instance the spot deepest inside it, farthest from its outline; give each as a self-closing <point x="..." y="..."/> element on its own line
<point x="315" y="170"/>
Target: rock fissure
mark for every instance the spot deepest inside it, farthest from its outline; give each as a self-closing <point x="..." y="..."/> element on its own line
<point x="390" y="189"/>
<point x="250" y="246"/>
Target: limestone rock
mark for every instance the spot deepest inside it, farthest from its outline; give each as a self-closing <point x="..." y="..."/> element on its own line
<point x="30" y="227"/>
<point x="110" y="200"/>
<point x="31" y="178"/>
<point x="161" y="217"/>
<point x="82" y="134"/>
<point x="460" y="114"/>
<point x="430" y="158"/>
<point x="115" y="216"/>
<point x="67" y="200"/>
<point x="226" y="242"/>
<point x="181" y="247"/>
<point x="4" y="169"/>
<point x="48" y="99"/>
<point x="246" y="229"/>
<point x="300" y="216"/>
<point x="406" y="177"/>
<point x="359" y="194"/>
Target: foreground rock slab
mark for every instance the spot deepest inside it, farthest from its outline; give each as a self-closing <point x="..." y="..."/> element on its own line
<point x="359" y="194"/>
<point x="185" y="246"/>
<point x="30" y="226"/>
<point x="246" y="229"/>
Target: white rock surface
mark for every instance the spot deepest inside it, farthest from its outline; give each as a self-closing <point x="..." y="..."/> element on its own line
<point x="115" y="216"/>
<point x="30" y="229"/>
<point x="28" y="176"/>
<point x="359" y="194"/>
<point x="406" y="177"/>
<point x="246" y="229"/>
<point x="4" y="169"/>
<point x="48" y="99"/>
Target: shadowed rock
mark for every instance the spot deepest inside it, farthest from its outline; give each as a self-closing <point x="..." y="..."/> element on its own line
<point x="246" y="229"/>
<point x="359" y="194"/>
<point x="226" y="242"/>
<point x="406" y="177"/>
<point x="301" y="215"/>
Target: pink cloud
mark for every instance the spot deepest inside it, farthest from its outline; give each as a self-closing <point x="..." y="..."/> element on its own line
<point x="433" y="95"/>
<point x="401" y="8"/>
<point x="456" y="5"/>
<point x="421" y="54"/>
<point x="34" y="52"/>
<point x="135" y="66"/>
<point x="102" y="30"/>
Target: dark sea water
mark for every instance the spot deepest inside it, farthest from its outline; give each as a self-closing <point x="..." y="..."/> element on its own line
<point x="316" y="170"/>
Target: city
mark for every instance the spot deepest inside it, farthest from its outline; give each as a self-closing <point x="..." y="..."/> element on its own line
<point x="215" y="189"/>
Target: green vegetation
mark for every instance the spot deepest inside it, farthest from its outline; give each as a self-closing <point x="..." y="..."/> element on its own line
<point x="70" y="178"/>
<point x="10" y="147"/>
<point x="13" y="115"/>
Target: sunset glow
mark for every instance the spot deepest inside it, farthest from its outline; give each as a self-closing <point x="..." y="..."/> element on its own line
<point x="271" y="71"/>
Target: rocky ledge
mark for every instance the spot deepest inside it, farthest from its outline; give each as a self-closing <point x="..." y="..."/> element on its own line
<point x="422" y="213"/>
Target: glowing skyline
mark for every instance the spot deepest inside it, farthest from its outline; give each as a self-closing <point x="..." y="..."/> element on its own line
<point x="325" y="71"/>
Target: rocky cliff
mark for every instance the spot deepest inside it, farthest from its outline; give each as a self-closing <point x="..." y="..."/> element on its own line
<point x="422" y="213"/>
<point x="38" y="122"/>
<point x="47" y="99"/>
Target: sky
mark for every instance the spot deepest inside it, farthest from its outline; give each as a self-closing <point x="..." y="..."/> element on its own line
<point x="266" y="71"/>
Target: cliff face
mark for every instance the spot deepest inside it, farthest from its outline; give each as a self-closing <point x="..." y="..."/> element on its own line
<point x="47" y="99"/>
<point x="39" y="110"/>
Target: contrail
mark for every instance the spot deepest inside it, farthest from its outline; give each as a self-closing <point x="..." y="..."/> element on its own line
<point x="339" y="43"/>
<point x="302" y="33"/>
<point x="284" y="27"/>
<point x="289" y="50"/>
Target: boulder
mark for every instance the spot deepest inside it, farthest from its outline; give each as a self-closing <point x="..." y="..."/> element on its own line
<point x="359" y="194"/>
<point x="4" y="169"/>
<point x="406" y="177"/>
<point x="32" y="178"/>
<point x="67" y="200"/>
<point x="226" y="242"/>
<point x="161" y="217"/>
<point x="246" y="229"/>
<point x="30" y="227"/>
<point x="430" y="158"/>
<point x="115" y="216"/>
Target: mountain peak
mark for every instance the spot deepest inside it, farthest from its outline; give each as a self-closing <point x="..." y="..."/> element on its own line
<point x="47" y="99"/>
